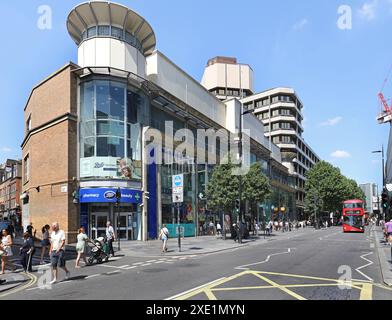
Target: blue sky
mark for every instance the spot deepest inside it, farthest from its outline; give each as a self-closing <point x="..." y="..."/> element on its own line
<point x="337" y="73"/>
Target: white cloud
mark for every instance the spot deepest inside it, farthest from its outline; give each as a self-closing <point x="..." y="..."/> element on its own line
<point x="5" y="149"/>
<point x="339" y="154"/>
<point x="332" y="122"/>
<point x="368" y="10"/>
<point x="300" y="24"/>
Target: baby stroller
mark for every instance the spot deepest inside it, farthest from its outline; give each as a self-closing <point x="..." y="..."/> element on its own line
<point x="99" y="251"/>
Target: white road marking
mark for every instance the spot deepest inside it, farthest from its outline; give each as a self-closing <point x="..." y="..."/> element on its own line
<point x="113" y="272"/>
<point x="244" y="267"/>
<point x="146" y="264"/>
<point x="194" y="289"/>
<point x="137" y="263"/>
<point x="93" y="276"/>
<point x="151" y="261"/>
<point x="365" y="266"/>
<point x="130" y="268"/>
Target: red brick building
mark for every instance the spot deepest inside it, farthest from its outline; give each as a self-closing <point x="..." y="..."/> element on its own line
<point x="10" y="190"/>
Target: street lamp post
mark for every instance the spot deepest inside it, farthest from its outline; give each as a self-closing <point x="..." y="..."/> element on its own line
<point x="383" y="172"/>
<point x="239" y="218"/>
<point x="118" y="199"/>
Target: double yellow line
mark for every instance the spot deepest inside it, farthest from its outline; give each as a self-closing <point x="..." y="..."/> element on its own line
<point x="33" y="280"/>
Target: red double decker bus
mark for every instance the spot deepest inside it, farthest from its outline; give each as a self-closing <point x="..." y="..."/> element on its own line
<point x="353" y="216"/>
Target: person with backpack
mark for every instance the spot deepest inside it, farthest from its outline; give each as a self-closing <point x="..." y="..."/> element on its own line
<point x="164" y="236"/>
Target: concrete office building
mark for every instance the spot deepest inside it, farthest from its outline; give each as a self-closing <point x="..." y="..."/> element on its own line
<point x="370" y="191"/>
<point x="279" y="110"/>
<point x="85" y="136"/>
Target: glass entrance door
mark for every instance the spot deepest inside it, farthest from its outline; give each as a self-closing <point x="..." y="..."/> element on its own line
<point x="127" y="226"/>
<point x="98" y="225"/>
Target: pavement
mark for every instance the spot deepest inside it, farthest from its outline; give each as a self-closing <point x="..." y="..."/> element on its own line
<point x="384" y="252"/>
<point x="300" y="265"/>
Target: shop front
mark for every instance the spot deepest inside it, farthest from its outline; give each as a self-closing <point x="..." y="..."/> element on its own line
<point x="99" y="205"/>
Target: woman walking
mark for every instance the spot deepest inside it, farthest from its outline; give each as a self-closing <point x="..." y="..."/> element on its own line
<point x="6" y="247"/>
<point x="81" y="247"/>
<point x="164" y="236"/>
<point x="26" y="252"/>
<point x="45" y="243"/>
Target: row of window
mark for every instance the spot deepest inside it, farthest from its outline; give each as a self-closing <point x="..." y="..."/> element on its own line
<point x="306" y="151"/>
<point x="283" y="139"/>
<point x="271" y="100"/>
<point x="110" y="31"/>
<point x="8" y="191"/>
<point x="8" y="205"/>
<point x="278" y="112"/>
<point x="231" y="92"/>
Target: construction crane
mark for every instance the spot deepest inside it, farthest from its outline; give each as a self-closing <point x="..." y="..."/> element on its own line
<point x="386" y="113"/>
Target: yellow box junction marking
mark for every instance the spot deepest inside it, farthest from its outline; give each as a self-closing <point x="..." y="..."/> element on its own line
<point x="365" y="287"/>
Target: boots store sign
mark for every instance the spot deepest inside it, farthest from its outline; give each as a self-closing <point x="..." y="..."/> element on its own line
<point x="104" y="195"/>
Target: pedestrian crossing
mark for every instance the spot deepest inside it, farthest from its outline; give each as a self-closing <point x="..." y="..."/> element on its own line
<point x="149" y="263"/>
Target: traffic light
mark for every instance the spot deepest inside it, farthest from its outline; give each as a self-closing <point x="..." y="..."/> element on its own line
<point x="118" y="195"/>
<point x="384" y="199"/>
<point x="237" y="205"/>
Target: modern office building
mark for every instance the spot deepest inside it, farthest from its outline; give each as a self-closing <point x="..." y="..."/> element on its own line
<point x="279" y="110"/>
<point x="88" y="131"/>
<point x="370" y="191"/>
<point x="10" y="190"/>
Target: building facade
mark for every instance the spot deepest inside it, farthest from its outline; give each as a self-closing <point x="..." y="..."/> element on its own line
<point x="279" y="110"/>
<point x="10" y="190"/>
<point x="89" y="129"/>
<point x="372" y="200"/>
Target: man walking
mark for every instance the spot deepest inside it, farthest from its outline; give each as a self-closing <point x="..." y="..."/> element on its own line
<point x="57" y="252"/>
<point x="110" y="236"/>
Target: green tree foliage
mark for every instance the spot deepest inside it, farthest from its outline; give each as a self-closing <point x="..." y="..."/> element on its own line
<point x="256" y="186"/>
<point x="326" y="184"/>
<point x="222" y="188"/>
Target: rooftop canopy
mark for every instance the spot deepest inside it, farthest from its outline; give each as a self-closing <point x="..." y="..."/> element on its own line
<point x="101" y="13"/>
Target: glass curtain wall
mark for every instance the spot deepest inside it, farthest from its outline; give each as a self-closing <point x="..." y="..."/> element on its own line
<point x="111" y="117"/>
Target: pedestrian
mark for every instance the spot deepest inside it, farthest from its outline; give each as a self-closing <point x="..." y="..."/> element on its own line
<point x="219" y="229"/>
<point x="29" y="229"/>
<point x="81" y="247"/>
<point x="45" y="242"/>
<point x="164" y="236"/>
<point x="6" y="250"/>
<point x="110" y="237"/>
<point x="388" y="232"/>
<point x="26" y="252"/>
<point x="11" y="230"/>
<point x="57" y="252"/>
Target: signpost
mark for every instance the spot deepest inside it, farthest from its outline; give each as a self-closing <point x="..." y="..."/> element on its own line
<point x="178" y="198"/>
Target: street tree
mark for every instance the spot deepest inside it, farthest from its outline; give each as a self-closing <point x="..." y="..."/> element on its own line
<point x="222" y="188"/>
<point x="256" y="186"/>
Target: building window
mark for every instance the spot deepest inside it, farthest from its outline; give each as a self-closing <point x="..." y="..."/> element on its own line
<point x="91" y="32"/>
<point x="27" y="169"/>
<point x="104" y="30"/>
<point x="28" y="124"/>
<point x="117" y="33"/>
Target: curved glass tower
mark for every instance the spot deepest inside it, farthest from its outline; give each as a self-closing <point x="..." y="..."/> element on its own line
<point x="113" y="42"/>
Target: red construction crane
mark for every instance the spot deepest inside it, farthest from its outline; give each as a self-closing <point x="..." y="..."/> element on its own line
<point x="387" y="110"/>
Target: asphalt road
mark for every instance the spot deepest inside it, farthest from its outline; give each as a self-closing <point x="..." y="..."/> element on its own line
<point x="311" y="265"/>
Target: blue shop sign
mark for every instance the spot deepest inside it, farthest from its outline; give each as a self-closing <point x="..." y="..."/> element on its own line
<point x="104" y="195"/>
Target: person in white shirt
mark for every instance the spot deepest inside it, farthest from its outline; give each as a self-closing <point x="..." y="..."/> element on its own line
<point x="57" y="252"/>
<point x="110" y="236"/>
<point x="164" y="236"/>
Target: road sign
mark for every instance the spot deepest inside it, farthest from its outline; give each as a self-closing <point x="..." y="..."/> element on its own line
<point x="178" y="181"/>
<point x="178" y="198"/>
<point x="178" y="188"/>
